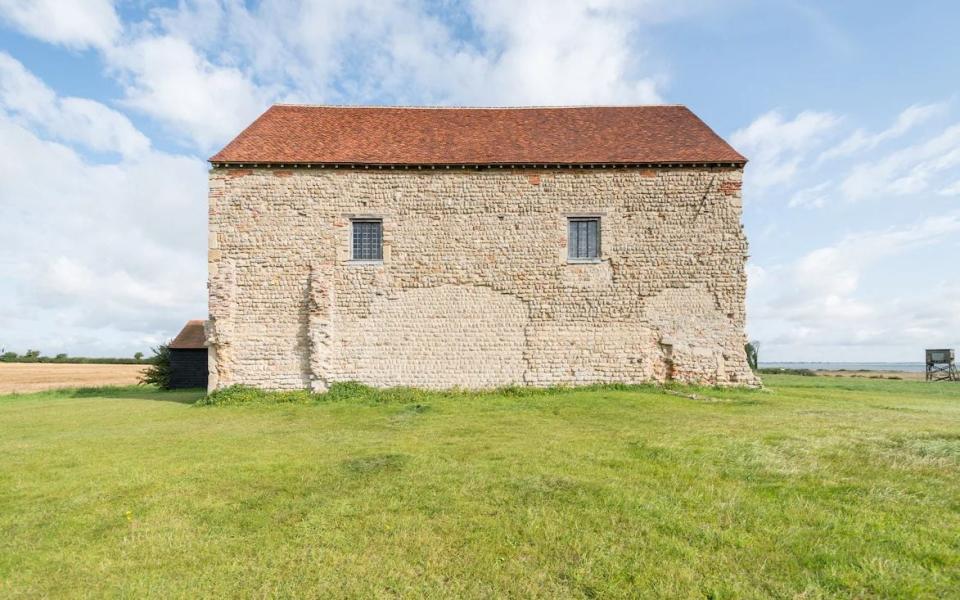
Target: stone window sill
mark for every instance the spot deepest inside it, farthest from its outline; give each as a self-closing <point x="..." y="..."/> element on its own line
<point x="364" y="263"/>
<point x="584" y="261"/>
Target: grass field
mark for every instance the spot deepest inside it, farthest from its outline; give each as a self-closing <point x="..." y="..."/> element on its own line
<point x="33" y="377"/>
<point x="817" y="487"/>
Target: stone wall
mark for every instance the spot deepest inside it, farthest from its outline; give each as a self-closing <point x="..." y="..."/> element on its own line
<point x="475" y="289"/>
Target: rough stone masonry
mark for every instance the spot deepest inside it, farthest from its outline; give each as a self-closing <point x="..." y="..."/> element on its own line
<point x="475" y="288"/>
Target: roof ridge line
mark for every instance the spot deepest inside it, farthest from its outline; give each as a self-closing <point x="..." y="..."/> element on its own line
<point x="437" y="107"/>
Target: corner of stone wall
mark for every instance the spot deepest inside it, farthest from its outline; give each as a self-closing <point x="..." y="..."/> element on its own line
<point x="219" y="327"/>
<point x="213" y="379"/>
<point x="321" y="297"/>
<point x="699" y="341"/>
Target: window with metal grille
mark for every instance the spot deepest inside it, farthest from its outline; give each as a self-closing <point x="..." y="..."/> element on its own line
<point x="368" y="239"/>
<point x="583" y="238"/>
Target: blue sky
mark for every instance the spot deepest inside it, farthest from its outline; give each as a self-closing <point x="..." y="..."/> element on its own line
<point x="849" y="112"/>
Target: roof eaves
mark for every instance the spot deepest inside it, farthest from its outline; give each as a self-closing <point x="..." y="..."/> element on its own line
<point x="507" y="164"/>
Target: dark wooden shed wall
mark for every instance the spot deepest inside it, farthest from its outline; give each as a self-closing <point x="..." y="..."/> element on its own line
<point x="188" y="368"/>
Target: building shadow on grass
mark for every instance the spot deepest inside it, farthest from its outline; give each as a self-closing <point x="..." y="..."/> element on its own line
<point x="183" y="396"/>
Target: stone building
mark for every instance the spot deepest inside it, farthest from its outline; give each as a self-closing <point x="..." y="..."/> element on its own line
<point x="443" y="247"/>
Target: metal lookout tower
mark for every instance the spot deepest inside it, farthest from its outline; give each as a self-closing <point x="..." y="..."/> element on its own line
<point x="941" y="365"/>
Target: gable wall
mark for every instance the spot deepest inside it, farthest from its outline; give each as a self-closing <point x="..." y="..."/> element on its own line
<point x="475" y="289"/>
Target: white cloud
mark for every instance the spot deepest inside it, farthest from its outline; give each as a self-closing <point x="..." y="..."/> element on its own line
<point x="815" y="196"/>
<point x="834" y="271"/>
<point x="536" y="52"/>
<point x="97" y="127"/>
<point x="205" y="69"/>
<point x="546" y="52"/>
<point x="782" y="154"/>
<point x="757" y="276"/>
<point x="910" y="117"/>
<point x="909" y="170"/>
<point x="952" y="189"/>
<point x="20" y="91"/>
<point x="107" y="254"/>
<point x="800" y="309"/>
<point x="166" y="79"/>
<point x="72" y="23"/>
<point x="777" y="147"/>
<point x="77" y="120"/>
<point x="843" y="300"/>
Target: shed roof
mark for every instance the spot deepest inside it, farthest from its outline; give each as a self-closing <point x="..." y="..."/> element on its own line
<point x="586" y="135"/>
<point x="191" y="337"/>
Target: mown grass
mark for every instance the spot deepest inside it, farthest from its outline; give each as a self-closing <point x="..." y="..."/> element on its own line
<point x="816" y="487"/>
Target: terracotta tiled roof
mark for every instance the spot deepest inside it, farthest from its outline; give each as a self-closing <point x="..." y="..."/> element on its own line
<point x="190" y="337"/>
<point x="477" y="136"/>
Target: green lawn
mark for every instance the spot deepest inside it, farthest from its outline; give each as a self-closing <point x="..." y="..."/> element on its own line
<point x="816" y="487"/>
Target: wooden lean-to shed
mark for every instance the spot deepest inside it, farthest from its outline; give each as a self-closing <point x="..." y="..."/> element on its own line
<point x="188" y="357"/>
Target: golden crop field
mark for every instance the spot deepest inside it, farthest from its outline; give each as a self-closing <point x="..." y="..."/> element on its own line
<point x="35" y="377"/>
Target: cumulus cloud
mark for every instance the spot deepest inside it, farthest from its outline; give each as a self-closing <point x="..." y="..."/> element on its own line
<point x="166" y="79"/>
<point x="560" y="52"/>
<point x="110" y="256"/>
<point x="834" y="271"/>
<point x="72" y="24"/>
<point x="815" y="303"/>
<point x="786" y="153"/>
<point x="810" y="299"/>
<point x="777" y="146"/>
<point x="951" y="189"/>
<point x="909" y="118"/>
<point x="79" y="120"/>
<point x="204" y="69"/>
<point x="909" y="170"/>
<point x="815" y="196"/>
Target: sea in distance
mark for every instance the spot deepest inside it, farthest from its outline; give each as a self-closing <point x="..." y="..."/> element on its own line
<point x="910" y="367"/>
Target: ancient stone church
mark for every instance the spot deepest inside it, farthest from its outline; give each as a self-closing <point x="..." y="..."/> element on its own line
<point x="476" y="248"/>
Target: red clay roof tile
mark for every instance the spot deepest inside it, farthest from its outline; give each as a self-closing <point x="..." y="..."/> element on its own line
<point x="190" y="337"/>
<point x="287" y="134"/>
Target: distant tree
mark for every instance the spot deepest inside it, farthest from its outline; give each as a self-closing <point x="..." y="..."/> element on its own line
<point x="9" y="356"/>
<point x="31" y="354"/>
<point x="61" y="356"/>
<point x="138" y="356"/>
<point x="158" y="373"/>
<point x="753" y="352"/>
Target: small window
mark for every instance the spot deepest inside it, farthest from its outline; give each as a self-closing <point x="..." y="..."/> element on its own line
<point x="583" y="238"/>
<point x="368" y="239"/>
